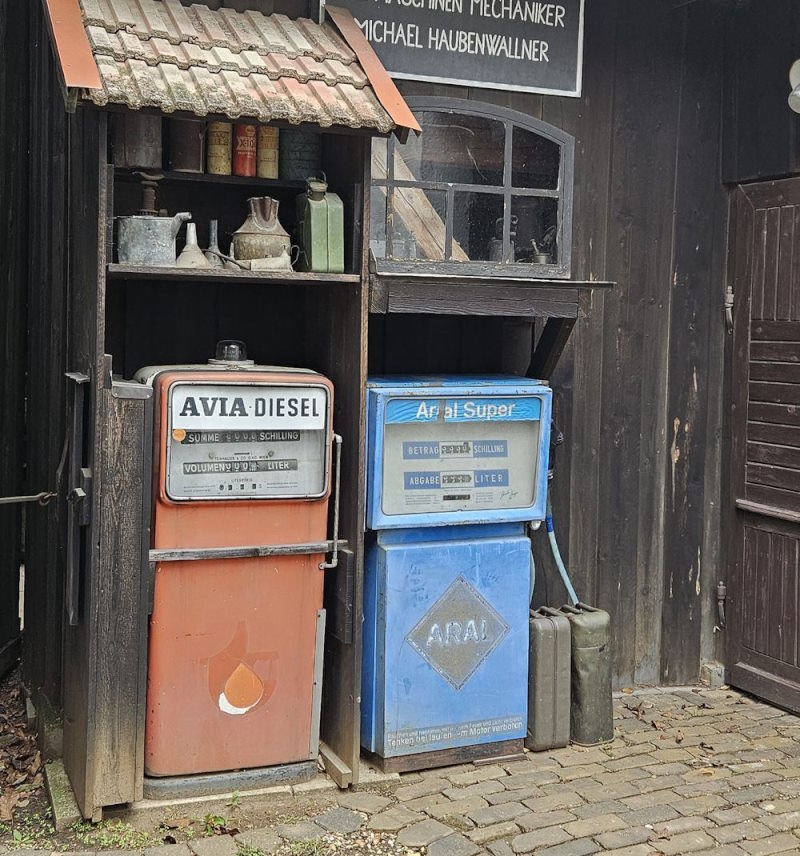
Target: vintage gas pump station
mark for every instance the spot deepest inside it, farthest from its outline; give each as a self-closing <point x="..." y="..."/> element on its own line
<point x="457" y="468"/>
<point x="242" y="470"/>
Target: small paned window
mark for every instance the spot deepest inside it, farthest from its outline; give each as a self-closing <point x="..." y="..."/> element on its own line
<point x="483" y="190"/>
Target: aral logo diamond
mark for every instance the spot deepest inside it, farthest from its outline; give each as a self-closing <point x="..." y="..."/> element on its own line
<point x="458" y="633"/>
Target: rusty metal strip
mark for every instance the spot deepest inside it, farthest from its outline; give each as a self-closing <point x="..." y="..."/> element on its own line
<point x="385" y="90"/>
<point x="71" y="44"/>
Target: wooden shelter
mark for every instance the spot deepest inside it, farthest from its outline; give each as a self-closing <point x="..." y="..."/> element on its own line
<point x="680" y="467"/>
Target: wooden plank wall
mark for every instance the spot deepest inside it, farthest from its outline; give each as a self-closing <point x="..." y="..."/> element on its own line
<point x="46" y="341"/>
<point x="14" y="97"/>
<point x="761" y="135"/>
<point x="637" y="483"/>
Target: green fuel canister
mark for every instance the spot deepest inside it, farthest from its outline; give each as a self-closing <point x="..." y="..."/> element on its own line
<point x="320" y="229"/>
<point x="591" y="710"/>
<point x="549" y="680"/>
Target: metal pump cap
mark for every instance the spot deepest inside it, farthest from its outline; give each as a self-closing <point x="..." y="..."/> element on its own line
<point x="231" y="351"/>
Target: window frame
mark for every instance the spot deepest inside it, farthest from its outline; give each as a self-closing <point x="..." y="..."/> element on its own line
<point x="563" y="194"/>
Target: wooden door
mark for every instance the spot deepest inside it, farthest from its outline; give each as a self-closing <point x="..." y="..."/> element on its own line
<point x="764" y="590"/>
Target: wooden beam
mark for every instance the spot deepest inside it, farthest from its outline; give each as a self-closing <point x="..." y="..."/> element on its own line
<point x="550" y="346"/>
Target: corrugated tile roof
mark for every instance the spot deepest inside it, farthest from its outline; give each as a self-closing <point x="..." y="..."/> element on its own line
<point x="161" y="54"/>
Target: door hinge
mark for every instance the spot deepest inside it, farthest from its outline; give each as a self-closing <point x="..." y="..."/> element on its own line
<point x="722" y="596"/>
<point x="728" y="304"/>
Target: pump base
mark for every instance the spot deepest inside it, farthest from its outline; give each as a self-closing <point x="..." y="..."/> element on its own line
<point x="508" y="750"/>
<point x="206" y="784"/>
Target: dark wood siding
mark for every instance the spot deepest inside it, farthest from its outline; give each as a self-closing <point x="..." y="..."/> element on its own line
<point x="638" y="391"/>
<point x="46" y="361"/>
<point x="761" y="134"/>
<point x="14" y="95"/>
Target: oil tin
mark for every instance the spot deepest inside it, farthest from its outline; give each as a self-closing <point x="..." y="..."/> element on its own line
<point x="187" y="145"/>
<point x="136" y="140"/>
<point x="244" y="149"/>
<point x="267" y="152"/>
<point x="219" y="148"/>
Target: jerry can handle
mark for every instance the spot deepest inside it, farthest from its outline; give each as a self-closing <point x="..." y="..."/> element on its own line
<point x="324" y="566"/>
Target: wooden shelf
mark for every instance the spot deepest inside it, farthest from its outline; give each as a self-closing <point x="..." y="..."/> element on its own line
<point x="470" y="295"/>
<point x="173" y="177"/>
<point x="117" y="272"/>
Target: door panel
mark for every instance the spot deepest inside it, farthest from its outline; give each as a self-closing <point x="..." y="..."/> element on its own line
<point x="764" y="631"/>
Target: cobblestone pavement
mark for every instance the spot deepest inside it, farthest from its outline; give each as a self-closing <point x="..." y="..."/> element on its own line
<point x="690" y="771"/>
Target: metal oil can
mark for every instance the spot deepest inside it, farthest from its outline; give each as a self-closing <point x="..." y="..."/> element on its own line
<point x="320" y="229"/>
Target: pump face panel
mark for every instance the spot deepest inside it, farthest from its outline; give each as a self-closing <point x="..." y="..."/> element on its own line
<point x="452" y="455"/>
<point x="456" y="450"/>
<point x="246" y="441"/>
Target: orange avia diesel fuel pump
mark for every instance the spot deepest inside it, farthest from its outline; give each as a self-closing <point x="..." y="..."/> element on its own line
<point x="242" y="470"/>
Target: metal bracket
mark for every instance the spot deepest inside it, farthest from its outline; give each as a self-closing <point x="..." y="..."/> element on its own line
<point x="324" y="566"/>
<point x="78" y="497"/>
<point x="728" y="305"/>
<point x="722" y="596"/>
<point x="258" y="551"/>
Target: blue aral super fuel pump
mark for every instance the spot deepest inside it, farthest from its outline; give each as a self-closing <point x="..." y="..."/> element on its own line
<point x="457" y="467"/>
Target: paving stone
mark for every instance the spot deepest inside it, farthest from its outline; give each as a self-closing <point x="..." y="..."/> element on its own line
<point x="650" y="799"/>
<point x="594" y="825"/>
<point x="160" y="850"/>
<point x="422" y="788"/>
<point x="453" y="845"/>
<point x="514" y="796"/>
<point x="363" y="801"/>
<point x="598" y="792"/>
<point x="751" y="795"/>
<point x="553" y="801"/>
<point x="484" y="834"/>
<point x="497" y="813"/>
<point x="215" y="845"/>
<point x="423" y="833"/>
<point x="533" y="820"/>
<point x="747" y="829"/>
<point x="500" y="848"/>
<point x="773" y="844"/>
<point x="451" y="807"/>
<point x="394" y="818"/>
<point x="579" y="847"/>
<point x="340" y="820"/>
<point x="424" y="803"/>
<point x="303" y="831"/>
<point x="605" y="807"/>
<point x="697" y="805"/>
<point x="721" y="850"/>
<point x="479" y="789"/>
<point x="635" y="850"/>
<point x="624" y="837"/>
<point x="478" y="774"/>
<point x="735" y="814"/>
<point x="651" y="814"/>
<point x="686" y="842"/>
<point x="516" y="781"/>
<point x="529" y="841"/>
<point x="266" y="840"/>
<point x="782" y="822"/>
<point x="682" y="824"/>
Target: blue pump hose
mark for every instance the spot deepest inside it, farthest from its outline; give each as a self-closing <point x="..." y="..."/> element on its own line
<point x="551" y="534"/>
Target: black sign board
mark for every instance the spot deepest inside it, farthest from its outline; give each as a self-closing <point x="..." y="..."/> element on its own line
<point x="525" y="45"/>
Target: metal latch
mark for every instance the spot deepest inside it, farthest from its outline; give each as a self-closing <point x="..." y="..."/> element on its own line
<point x="722" y="595"/>
<point x="728" y="304"/>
